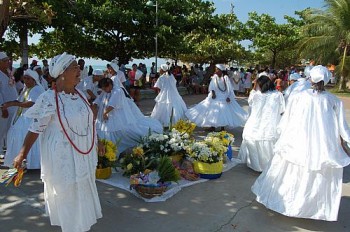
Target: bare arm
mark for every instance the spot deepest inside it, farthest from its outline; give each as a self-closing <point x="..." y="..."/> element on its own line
<point x="29" y="140"/>
<point x="26" y="104"/>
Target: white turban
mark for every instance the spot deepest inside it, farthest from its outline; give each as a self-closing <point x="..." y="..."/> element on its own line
<point x="97" y="72"/>
<point x="294" y="76"/>
<point x="221" y="67"/>
<point x="60" y="63"/>
<point x="114" y="65"/>
<point x="320" y="73"/>
<point x="34" y="75"/>
<point x="36" y="67"/>
<point x="164" y="67"/>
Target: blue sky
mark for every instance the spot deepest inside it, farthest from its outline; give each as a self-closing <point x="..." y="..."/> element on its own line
<point x="275" y="8"/>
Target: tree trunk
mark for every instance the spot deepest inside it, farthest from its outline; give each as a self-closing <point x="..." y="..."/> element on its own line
<point x="342" y="83"/>
<point x="23" y="40"/>
<point x="4" y="16"/>
<point x="274" y="55"/>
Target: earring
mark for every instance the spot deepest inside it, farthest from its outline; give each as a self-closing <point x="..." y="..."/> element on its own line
<point x="62" y="78"/>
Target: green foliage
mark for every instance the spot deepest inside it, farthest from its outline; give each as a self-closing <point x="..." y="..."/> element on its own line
<point x="268" y="36"/>
<point x="166" y="170"/>
<point x="326" y="36"/>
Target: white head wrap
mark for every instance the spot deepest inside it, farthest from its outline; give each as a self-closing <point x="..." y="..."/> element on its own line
<point x="307" y="71"/>
<point x="263" y="74"/>
<point x="3" y="55"/>
<point x="320" y="73"/>
<point x="164" y="67"/>
<point x="221" y="67"/>
<point x="138" y="74"/>
<point x="294" y="76"/>
<point x="34" y="75"/>
<point x="59" y="63"/>
<point x="97" y="72"/>
<point x="114" y="65"/>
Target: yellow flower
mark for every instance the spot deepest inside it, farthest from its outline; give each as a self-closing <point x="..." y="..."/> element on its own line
<point x="129" y="166"/>
<point x="138" y="151"/>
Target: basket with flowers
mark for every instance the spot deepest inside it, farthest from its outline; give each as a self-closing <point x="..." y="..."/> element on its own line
<point x="154" y="183"/>
<point x="207" y="157"/>
<point x="107" y="160"/>
<point x="226" y="139"/>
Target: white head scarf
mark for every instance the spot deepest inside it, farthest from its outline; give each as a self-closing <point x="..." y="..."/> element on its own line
<point x="221" y="67"/>
<point x="114" y="65"/>
<point x="164" y="67"/>
<point x="59" y="64"/>
<point x="320" y="73"/>
<point x="97" y="72"/>
<point x="34" y="75"/>
<point x="307" y="71"/>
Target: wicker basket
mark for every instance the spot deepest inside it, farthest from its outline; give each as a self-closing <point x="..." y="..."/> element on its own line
<point x="149" y="192"/>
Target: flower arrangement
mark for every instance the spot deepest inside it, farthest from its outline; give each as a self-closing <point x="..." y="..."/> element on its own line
<point x="185" y="126"/>
<point x="134" y="162"/>
<point x="207" y="151"/>
<point x="225" y="138"/>
<point x="109" y="158"/>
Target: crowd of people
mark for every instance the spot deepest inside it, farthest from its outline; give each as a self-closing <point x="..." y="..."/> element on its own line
<point x="54" y="117"/>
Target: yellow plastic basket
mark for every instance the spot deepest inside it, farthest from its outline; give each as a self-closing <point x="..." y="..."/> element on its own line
<point x="103" y="173"/>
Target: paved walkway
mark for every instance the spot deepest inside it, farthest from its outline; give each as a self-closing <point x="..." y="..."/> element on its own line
<point x="221" y="205"/>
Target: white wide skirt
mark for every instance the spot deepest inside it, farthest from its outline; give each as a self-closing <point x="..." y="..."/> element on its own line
<point x="295" y="191"/>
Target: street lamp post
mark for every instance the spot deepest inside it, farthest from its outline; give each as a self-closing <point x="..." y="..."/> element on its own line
<point x="151" y="4"/>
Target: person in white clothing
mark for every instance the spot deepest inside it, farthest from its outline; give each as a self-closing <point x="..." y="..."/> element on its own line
<point x="68" y="148"/>
<point x="84" y="73"/>
<point x="170" y="107"/>
<point x="259" y="134"/>
<point x="304" y="177"/>
<point x="297" y="84"/>
<point x="118" y="117"/>
<point x="219" y="108"/>
<point x="8" y="92"/>
<point x="91" y="88"/>
<point x="20" y="123"/>
<point x="42" y="80"/>
<point x="116" y="74"/>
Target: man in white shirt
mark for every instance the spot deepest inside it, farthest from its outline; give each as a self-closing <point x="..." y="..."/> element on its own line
<point x="8" y="92"/>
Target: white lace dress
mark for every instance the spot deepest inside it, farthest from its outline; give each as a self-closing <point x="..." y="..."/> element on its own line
<point x="167" y="101"/>
<point x="18" y="131"/>
<point x="304" y="177"/>
<point x="69" y="177"/>
<point x="260" y="131"/>
<point x="217" y="112"/>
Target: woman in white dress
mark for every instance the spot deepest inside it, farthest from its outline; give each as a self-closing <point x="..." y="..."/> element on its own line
<point x="169" y="103"/>
<point x="219" y="108"/>
<point x="304" y="177"/>
<point x="259" y="134"/>
<point x="65" y="122"/>
<point x="118" y="117"/>
<point x="20" y="123"/>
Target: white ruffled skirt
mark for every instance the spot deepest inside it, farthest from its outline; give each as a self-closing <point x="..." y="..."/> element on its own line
<point x="295" y="191"/>
<point x="162" y="112"/>
<point x="215" y="113"/>
<point x="256" y="153"/>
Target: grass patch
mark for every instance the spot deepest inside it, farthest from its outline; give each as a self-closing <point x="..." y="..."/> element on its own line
<point x="335" y="91"/>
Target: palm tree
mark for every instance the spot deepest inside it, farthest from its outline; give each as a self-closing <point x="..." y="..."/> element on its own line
<point x="326" y="36"/>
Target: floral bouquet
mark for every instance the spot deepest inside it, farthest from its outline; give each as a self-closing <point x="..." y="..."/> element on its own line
<point x="135" y="162"/>
<point x="225" y="138"/>
<point x="184" y="126"/>
<point x="109" y="158"/>
<point x="207" y="151"/>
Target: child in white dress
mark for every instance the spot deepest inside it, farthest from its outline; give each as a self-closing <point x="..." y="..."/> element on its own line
<point x="169" y="103"/>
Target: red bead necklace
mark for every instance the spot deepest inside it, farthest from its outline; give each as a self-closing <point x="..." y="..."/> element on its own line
<point x="65" y="132"/>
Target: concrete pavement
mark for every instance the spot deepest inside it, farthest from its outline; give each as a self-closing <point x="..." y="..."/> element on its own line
<point x="221" y="205"/>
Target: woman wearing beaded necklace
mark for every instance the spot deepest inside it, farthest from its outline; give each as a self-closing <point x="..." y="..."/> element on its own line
<point x="20" y="124"/>
<point x="65" y="122"/>
<point x="220" y="108"/>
